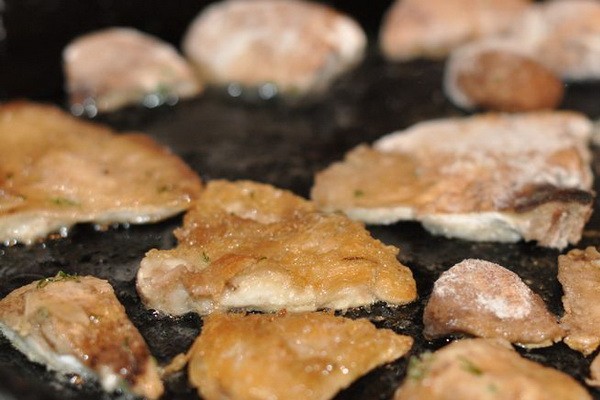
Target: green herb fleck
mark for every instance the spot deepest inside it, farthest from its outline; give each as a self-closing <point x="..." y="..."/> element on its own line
<point x="42" y="313"/>
<point x="162" y="89"/>
<point x="205" y="257"/>
<point x="164" y="188"/>
<point x="492" y="388"/>
<point x="60" y="276"/>
<point x="418" y="366"/>
<point x="63" y="201"/>
<point x="469" y="366"/>
<point x="358" y="193"/>
<point x="261" y="258"/>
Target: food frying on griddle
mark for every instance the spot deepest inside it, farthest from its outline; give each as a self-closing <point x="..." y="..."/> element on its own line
<point x="484" y="299"/>
<point x="523" y="69"/>
<point x="562" y="35"/>
<point x="114" y="67"/>
<point x="287" y="356"/>
<point x="594" y="379"/>
<point x="252" y="246"/>
<point x="484" y="369"/>
<point x="432" y="28"/>
<point x="75" y="325"/>
<point x="498" y="75"/>
<point x="579" y="275"/>
<point x="57" y="171"/>
<point x="293" y="47"/>
<point x="488" y="177"/>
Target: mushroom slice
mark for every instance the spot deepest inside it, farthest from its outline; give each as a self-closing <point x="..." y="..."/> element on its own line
<point x="75" y="325"/>
<point x="489" y="369"/>
<point x="252" y="246"/>
<point x="287" y="356"/>
<point x="487" y="300"/>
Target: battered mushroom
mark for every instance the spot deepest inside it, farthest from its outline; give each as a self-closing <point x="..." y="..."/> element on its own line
<point x="114" y="67"/>
<point x="432" y="28"/>
<point x="57" y="170"/>
<point x="579" y="274"/>
<point x="75" y="324"/>
<point x="252" y="246"/>
<point x="292" y="46"/>
<point x="487" y="300"/>
<point x="289" y="356"/>
<point x="485" y="369"/>
<point x="497" y="75"/>
<point x="488" y="177"/>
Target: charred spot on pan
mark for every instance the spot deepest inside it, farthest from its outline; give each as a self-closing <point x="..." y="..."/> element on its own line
<point x="534" y="196"/>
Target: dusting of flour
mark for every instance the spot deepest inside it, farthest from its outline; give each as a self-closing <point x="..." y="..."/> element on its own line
<point x="488" y="287"/>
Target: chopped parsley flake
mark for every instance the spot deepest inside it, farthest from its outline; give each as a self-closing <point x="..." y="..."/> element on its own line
<point x="60" y="276"/>
<point x="63" y="201"/>
<point x="469" y="366"/>
<point x="205" y="257"/>
<point x="359" y="193"/>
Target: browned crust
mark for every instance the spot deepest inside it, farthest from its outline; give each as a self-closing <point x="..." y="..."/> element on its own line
<point x="287" y="356"/>
<point x="81" y="316"/>
<point x="535" y="196"/>
<point x="59" y="170"/>
<point x="579" y="275"/>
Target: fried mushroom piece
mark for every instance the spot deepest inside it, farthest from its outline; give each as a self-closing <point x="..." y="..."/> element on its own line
<point x="294" y="47"/>
<point x="252" y="246"/>
<point x="432" y="28"/>
<point x="487" y="300"/>
<point x="487" y="177"/>
<point x="57" y="170"/>
<point x="579" y="275"/>
<point x="485" y="369"/>
<point x="287" y="356"/>
<point x="75" y="324"/>
<point x="114" y="67"/>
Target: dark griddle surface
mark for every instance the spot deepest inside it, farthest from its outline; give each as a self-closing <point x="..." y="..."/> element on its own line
<point x="282" y="145"/>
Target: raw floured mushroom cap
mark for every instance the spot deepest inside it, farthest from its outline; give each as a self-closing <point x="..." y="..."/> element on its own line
<point x="563" y="35"/>
<point x="252" y="246"/>
<point x="75" y="324"/>
<point x="496" y="74"/>
<point x="57" y="171"/>
<point x="114" y="67"/>
<point x="487" y="300"/>
<point x="291" y="46"/>
<point x="488" y="177"/>
<point x="485" y="369"/>
<point x="432" y="28"/>
<point x="579" y="275"/>
<point x="291" y="356"/>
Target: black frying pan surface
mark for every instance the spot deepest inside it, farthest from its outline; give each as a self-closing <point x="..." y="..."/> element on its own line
<point x="271" y="142"/>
